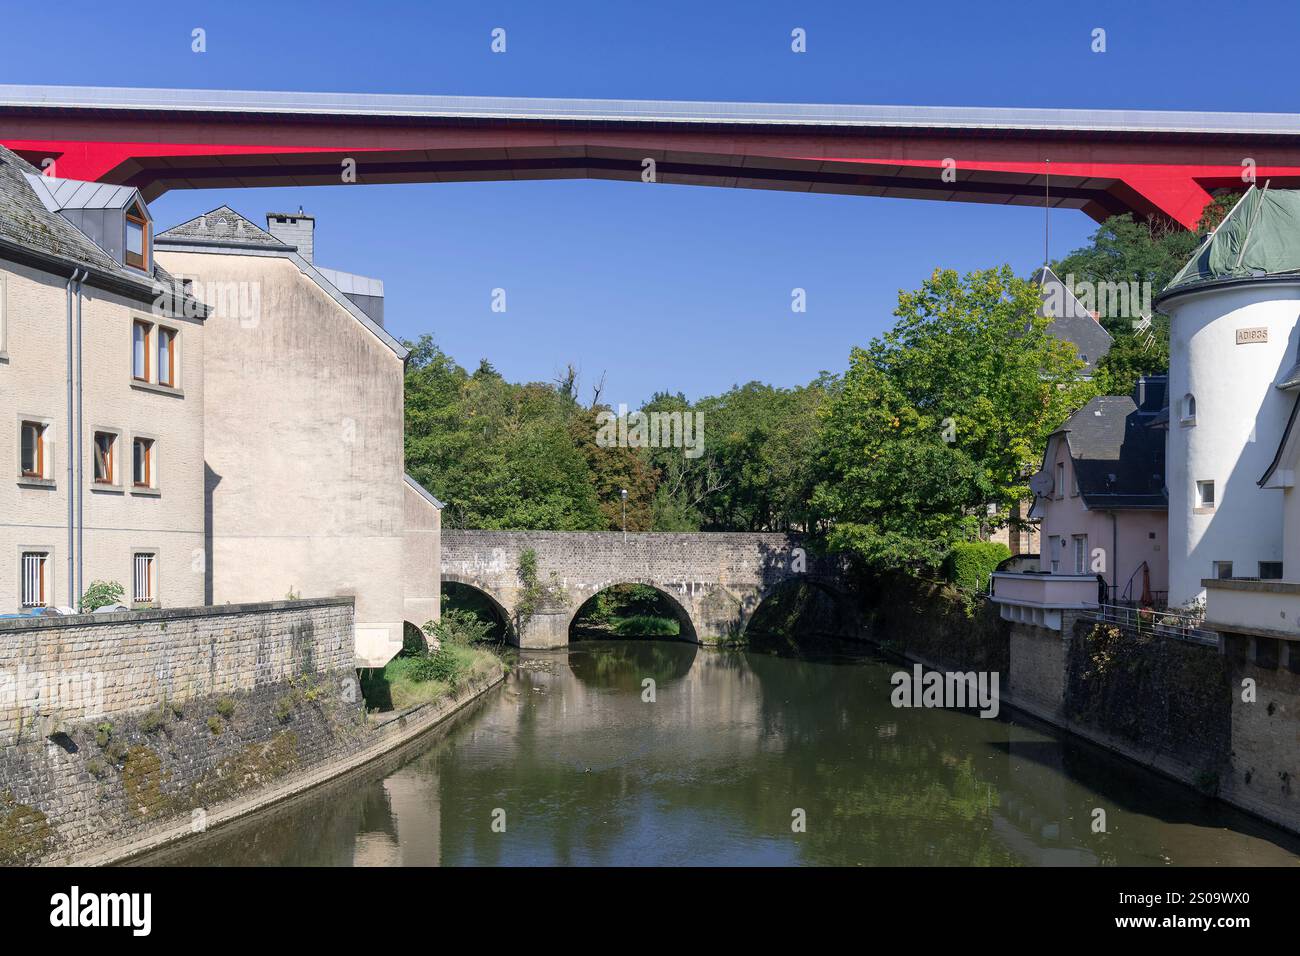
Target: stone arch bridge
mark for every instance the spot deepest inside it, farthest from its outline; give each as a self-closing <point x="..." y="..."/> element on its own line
<point x="714" y="580"/>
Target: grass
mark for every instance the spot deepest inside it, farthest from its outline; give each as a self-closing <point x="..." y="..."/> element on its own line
<point x="407" y="681"/>
<point x="646" y="625"/>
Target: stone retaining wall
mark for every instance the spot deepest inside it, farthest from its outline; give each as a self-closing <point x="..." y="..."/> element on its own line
<point x="118" y="725"/>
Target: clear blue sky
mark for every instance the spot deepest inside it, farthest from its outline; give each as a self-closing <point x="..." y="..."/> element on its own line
<point x="666" y="287"/>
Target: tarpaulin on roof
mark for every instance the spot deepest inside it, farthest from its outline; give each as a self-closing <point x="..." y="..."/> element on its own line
<point x="1260" y="236"/>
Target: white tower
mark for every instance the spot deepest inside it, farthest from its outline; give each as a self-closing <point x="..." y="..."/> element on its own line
<point x="1233" y="332"/>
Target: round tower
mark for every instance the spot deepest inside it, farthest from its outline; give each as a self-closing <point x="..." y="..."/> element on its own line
<point x="1231" y="340"/>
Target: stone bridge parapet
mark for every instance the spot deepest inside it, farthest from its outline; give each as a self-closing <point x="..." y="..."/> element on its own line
<point x="714" y="580"/>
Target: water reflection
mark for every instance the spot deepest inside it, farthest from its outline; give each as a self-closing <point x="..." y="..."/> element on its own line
<point x="588" y="772"/>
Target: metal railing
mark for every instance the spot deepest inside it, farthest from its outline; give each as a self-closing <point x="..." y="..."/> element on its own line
<point x="1159" y="599"/>
<point x="1163" y="623"/>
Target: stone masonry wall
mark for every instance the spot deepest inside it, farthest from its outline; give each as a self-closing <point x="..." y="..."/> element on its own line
<point x="117" y="725"/>
<point x="1159" y="700"/>
<point x="1263" y="772"/>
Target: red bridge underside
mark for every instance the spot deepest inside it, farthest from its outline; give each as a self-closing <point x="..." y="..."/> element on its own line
<point x="1169" y="175"/>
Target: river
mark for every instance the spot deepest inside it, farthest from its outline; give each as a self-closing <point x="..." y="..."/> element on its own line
<point x="569" y="763"/>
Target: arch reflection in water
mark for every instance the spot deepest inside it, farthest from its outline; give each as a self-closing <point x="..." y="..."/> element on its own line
<point x="588" y="772"/>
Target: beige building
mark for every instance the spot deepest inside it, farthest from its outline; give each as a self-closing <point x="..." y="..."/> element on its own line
<point x="101" y="400"/>
<point x="305" y="490"/>
<point x="227" y="433"/>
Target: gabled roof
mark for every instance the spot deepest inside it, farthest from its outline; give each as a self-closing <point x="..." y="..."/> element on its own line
<point x="31" y="231"/>
<point x="224" y="227"/>
<point x="1258" y="239"/>
<point x="1071" y="321"/>
<point x="1118" y="457"/>
<point x="222" y="231"/>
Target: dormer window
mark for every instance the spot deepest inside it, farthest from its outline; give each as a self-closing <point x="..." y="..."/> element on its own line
<point x="137" y="238"/>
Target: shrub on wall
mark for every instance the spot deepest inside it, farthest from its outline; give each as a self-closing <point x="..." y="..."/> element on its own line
<point x="969" y="563"/>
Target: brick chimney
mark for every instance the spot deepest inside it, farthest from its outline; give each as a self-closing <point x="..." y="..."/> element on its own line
<point x="294" y="229"/>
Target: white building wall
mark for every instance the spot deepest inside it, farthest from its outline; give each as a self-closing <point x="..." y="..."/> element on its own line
<point x="1240" y="417"/>
<point x="117" y="520"/>
<point x="303" y="447"/>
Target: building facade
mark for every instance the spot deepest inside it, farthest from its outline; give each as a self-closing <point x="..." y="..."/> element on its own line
<point x="1101" y="506"/>
<point x="305" y="489"/>
<point x="230" y="435"/>
<point x="101" y="386"/>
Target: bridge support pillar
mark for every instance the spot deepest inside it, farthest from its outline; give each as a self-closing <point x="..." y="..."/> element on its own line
<point x="548" y="627"/>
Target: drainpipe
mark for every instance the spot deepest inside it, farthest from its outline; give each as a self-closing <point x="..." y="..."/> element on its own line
<point x="72" y="584"/>
<point x="81" y="514"/>
<point x="1114" y="555"/>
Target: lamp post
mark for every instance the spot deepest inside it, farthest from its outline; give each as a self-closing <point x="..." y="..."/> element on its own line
<point x="623" y="494"/>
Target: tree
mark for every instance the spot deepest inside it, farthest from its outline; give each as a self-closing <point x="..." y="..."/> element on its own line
<point x="502" y="456"/>
<point x="1148" y="252"/>
<point x="942" y="416"/>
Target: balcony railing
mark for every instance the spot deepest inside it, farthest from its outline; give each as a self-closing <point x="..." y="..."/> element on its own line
<point x="1163" y="623"/>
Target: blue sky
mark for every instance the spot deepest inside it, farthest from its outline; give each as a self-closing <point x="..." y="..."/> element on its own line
<point x="670" y="287"/>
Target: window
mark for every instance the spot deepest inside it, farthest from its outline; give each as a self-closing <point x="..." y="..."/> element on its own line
<point x="167" y="357"/>
<point x="1080" y="554"/>
<point x="1223" y="569"/>
<point x="1189" y="409"/>
<point x="142" y="590"/>
<point x="32" y="456"/>
<point x="34" y="585"/>
<point x="105" y="452"/>
<point x="142" y="463"/>
<point x="1270" y="570"/>
<point x="1205" y="494"/>
<point x="1060" y="479"/>
<point x="137" y="238"/>
<point x="140" y="351"/>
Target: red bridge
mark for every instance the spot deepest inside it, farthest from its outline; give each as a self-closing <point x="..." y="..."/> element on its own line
<point x="1101" y="161"/>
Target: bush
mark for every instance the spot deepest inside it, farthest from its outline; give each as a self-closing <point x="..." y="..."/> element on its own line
<point x="460" y="627"/>
<point x="441" y="665"/>
<point x="969" y="563"/>
<point x="101" y="594"/>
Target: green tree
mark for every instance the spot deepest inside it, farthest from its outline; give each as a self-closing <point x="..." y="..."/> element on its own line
<point x="502" y="456"/>
<point x="1149" y="252"/>
<point x="942" y="416"/>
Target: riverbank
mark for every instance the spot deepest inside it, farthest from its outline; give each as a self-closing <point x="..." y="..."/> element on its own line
<point x="124" y="732"/>
<point x="387" y="733"/>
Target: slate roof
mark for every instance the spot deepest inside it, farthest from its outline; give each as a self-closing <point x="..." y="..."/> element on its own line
<point x="223" y="227"/>
<point x="1118" y="457"/>
<point x="1071" y="322"/>
<point x="224" y="231"/>
<point x="31" y="232"/>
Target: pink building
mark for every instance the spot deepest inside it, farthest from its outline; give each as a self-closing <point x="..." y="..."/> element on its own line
<point x="1103" y="511"/>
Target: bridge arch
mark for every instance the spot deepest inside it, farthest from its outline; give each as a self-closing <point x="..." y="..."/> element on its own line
<point x="821" y="607"/>
<point x="495" y="602"/>
<point x="670" y="602"/>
